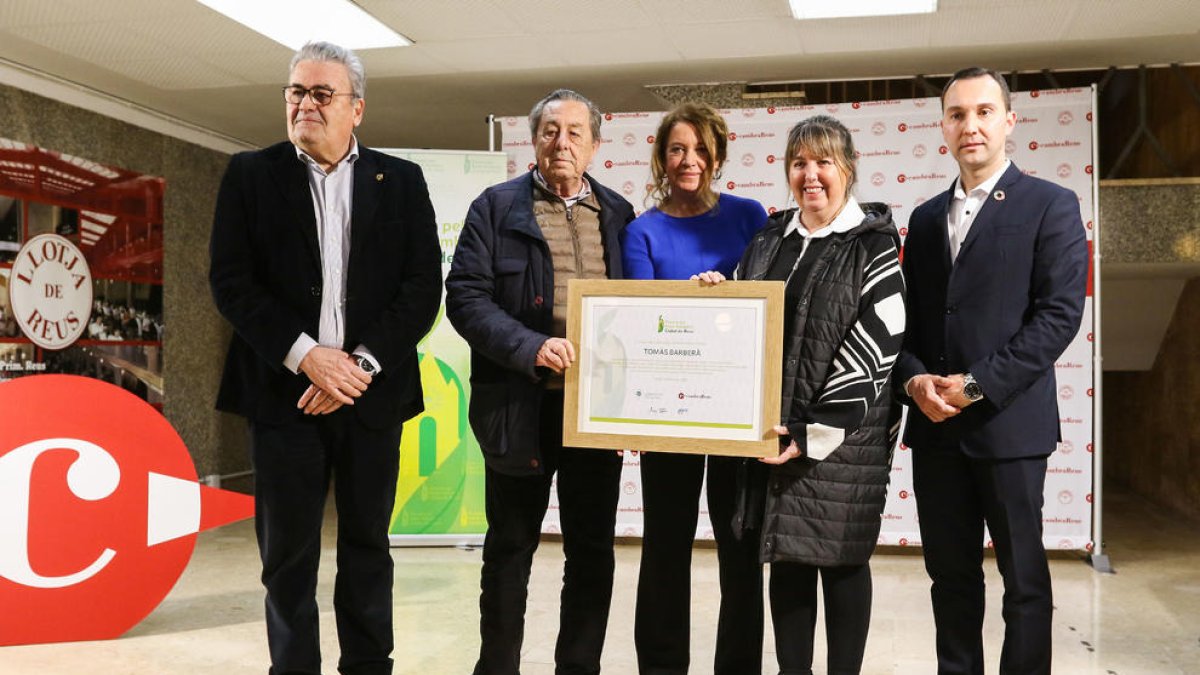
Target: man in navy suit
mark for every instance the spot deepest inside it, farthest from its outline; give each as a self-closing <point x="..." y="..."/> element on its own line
<point x="325" y="260"/>
<point x="996" y="269"/>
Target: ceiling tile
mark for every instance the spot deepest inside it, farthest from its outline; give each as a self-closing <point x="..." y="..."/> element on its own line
<point x="441" y="21"/>
<point x="740" y="39"/>
<point x="177" y="72"/>
<point x="831" y="36"/>
<point x="998" y="24"/>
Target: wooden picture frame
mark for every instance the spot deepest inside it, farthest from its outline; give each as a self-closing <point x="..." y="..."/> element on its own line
<point x="674" y="366"/>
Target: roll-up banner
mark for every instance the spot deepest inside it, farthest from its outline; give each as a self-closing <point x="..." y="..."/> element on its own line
<point x="439" y="496"/>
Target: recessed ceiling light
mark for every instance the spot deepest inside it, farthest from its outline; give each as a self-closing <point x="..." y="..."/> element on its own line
<point x="838" y="9"/>
<point x="293" y="22"/>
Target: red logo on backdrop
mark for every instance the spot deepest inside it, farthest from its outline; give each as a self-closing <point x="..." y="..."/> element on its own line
<point x="1033" y="145"/>
<point x="771" y="110"/>
<point x="1089" y="226"/>
<point x="918" y="151"/>
<point x="1091" y="392"/>
<point x="629" y="139"/>
<point x="989" y="544"/>
<point x="732" y="136"/>
<point x="650" y="139"/>
<point x="1088" y="169"/>
<point x="747" y="159"/>
<point x="901" y="178"/>
<point x="904" y="494"/>
<point x="770" y="159"/>
<point x="99" y="510"/>
<point x="1065" y="117"/>
<point x="529" y="167"/>
<point x="903" y="233"/>
<point x="1089" y="447"/>
<point x="1065" y="497"/>
<point x="903" y="446"/>
<point x="627" y="187"/>
<point x="1064" y="170"/>
<point x="943" y="150"/>
<point x="1034" y="94"/>
<point x="856" y="105"/>
<point x="878" y="179"/>
<point x="1088" y="498"/>
<point x="903" y="541"/>
<point x="730" y="185"/>
<point x="771" y="210"/>
<point x="903" y="127"/>
<point x="1066" y="393"/>
<point x="1088" y="116"/>
<point x="608" y="117"/>
<point x="608" y="164"/>
<point x="681" y="396"/>
<point x="878" y="128"/>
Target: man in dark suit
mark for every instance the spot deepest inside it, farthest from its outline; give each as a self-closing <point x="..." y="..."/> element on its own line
<point x="325" y="260"/>
<point x="996" y="269"/>
<point x="506" y="295"/>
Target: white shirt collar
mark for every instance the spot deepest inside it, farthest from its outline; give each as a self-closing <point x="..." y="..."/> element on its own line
<point x="349" y="158"/>
<point x="986" y="186"/>
<point x="850" y="217"/>
<point x="585" y="188"/>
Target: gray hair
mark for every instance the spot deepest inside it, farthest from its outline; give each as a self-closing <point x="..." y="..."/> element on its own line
<point x="535" y="115"/>
<point x="331" y="53"/>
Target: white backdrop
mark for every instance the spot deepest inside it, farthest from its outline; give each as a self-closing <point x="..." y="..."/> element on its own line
<point x="902" y="161"/>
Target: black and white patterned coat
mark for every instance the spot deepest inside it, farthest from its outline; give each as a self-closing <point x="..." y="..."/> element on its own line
<point x="847" y="328"/>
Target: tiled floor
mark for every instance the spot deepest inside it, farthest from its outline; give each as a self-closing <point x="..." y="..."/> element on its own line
<point x="1144" y="619"/>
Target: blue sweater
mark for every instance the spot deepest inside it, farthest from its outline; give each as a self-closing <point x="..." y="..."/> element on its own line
<point x="658" y="246"/>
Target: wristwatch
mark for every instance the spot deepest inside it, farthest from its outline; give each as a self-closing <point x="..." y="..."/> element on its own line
<point x="971" y="388"/>
<point x="365" y="363"/>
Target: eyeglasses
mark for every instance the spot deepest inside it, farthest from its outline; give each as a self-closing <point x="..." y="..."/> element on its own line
<point x="295" y="94"/>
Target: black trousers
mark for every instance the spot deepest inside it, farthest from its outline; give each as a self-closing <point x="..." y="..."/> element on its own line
<point x="293" y="466"/>
<point x="588" y="483"/>
<point x="956" y="495"/>
<point x="671" y="494"/>
<point x="847" y="593"/>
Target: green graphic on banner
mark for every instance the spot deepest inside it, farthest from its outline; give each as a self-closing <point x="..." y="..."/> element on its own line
<point x="440" y="490"/>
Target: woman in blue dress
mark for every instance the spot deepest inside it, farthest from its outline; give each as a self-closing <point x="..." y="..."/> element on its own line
<point x="692" y="229"/>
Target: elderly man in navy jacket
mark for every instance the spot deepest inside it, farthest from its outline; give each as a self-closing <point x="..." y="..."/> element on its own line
<point x="506" y="295"/>
<point x="996" y="269"/>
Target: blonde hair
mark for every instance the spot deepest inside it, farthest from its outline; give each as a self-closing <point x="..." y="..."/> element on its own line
<point x="714" y="135"/>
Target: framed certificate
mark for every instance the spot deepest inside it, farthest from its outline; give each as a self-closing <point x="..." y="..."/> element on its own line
<point x="674" y="366"/>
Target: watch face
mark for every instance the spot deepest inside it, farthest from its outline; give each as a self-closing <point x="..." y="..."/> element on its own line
<point x="366" y="365"/>
<point x="973" y="391"/>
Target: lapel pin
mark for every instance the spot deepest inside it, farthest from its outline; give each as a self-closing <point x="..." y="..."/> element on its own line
<point x="998" y="195"/>
<point x="379" y="179"/>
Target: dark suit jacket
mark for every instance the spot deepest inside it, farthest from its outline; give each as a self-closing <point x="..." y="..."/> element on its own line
<point x="1005" y="311"/>
<point x="265" y="276"/>
<point x="500" y="298"/>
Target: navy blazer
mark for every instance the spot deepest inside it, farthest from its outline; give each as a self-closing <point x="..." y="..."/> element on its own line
<point x="1004" y="311"/>
<point x="265" y="276"/>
